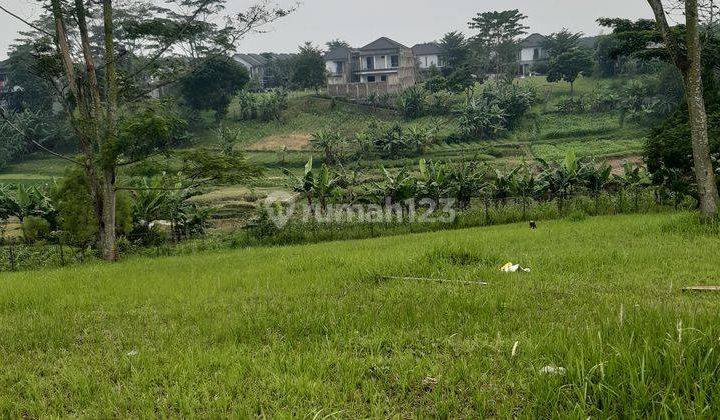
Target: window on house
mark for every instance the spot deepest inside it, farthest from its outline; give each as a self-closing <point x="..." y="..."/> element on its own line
<point x="339" y="67"/>
<point x="370" y="61"/>
<point x="383" y="78"/>
<point x="536" y="54"/>
<point x="371" y="79"/>
<point x="394" y="61"/>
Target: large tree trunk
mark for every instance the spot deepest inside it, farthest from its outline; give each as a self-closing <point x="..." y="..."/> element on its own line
<point x="108" y="244"/>
<point x="704" y="174"/>
<point x="691" y="68"/>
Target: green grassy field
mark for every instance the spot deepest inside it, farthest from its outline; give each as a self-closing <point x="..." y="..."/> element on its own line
<point x="316" y="331"/>
<point x="547" y="135"/>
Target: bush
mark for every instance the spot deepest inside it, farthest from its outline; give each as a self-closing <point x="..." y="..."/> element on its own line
<point x="571" y="106"/>
<point x="265" y="107"/>
<point x="35" y="229"/>
<point x="604" y="100"/>
<point x="436" y="84"/>
<point x="482" y="120"/>
<point x="392" y="140"/>
<point x="514" y="100"/>
<point x="412" y="102"/>
<point x="71" y="196"/>
<point x="441" y="103"/>
<point x="500" y="108"/>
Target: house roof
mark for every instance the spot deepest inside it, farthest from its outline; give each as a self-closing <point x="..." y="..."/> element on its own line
<point x="249" y="59"/>
<point x="259" y="60"/>
<point x="534" y="40"/>
<point x="338" y="54"/>
<point x="383" y="44"/>
<point x="430" y="48"/>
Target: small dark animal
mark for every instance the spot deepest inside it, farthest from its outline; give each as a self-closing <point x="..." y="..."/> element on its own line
<point x="533" y="225"/>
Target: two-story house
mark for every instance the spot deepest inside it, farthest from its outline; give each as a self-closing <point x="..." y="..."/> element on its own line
<point x="428" y="55"/>
<point x="532" y="52"/>
<point x="382" y="66"/>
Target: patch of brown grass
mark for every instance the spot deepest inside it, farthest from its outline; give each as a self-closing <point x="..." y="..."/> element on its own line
<point x="293" y="142"/>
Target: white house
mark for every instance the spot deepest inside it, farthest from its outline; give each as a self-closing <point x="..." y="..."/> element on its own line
<point x="531" y="53"/>
<point x="428" y="55"/>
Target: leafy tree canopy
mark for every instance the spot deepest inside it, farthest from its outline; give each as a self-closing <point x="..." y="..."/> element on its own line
<point x="562" y="42"/>
<point x="214" y="83"/>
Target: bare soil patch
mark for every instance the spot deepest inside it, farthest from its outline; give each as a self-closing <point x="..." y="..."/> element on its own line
<point x="277" y="143"/>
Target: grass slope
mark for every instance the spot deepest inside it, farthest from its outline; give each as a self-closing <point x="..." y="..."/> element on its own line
<point x="316" y="330"/>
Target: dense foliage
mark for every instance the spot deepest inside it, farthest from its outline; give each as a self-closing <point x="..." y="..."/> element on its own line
<point x="214" y="84"/>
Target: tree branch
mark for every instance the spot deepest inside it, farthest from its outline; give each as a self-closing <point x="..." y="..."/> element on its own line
<point x="28" y="23"/>
<point x="664" y="27"/>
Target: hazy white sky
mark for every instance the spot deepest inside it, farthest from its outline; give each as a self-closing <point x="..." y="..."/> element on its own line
<point x="406" y="21"/>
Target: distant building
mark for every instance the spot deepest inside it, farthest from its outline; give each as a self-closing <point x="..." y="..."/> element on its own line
<point x="428" y="55"/>
<point x="382" y="66"/>
<point x="257" y="64"/>
<point x="532" y="52"/>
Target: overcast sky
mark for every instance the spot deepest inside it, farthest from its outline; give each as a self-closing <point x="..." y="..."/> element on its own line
<point x="406" y="21"/>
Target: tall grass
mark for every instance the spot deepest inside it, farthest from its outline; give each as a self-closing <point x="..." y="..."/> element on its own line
<point x="320" y="330"/>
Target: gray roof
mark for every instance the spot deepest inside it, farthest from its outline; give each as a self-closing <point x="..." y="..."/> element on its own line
<point x="534" y="40"/>
<point x="248" y="58"/>
<point x="383" y="44"/>
<point x="430" y="48"/>
<point x="338" y="54"/>
<point x="259" y="60"/>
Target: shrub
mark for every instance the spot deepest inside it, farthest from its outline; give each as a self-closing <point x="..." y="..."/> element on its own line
<point x="35" y="229"/>
<point x="436" y="84"/>
<point x="604" y="100"/>
<point x="412" y="102"/>
<point x="571" y="106"/>
<point x="441" y="103"/>
<point x="514" y="100"/>
<point x="328" y="141"/>
<point x="265" y="107"/>
<point x="393" y="140"/>
<point x="71" y="196"/>
<point x="482" y="120"/>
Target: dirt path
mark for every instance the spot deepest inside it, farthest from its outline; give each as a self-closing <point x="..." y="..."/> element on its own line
<point x="617" y="163"/>
<point x="292" y="142"/>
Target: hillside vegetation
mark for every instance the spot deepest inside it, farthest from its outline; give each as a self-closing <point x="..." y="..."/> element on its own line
<point x="320" y="330"/>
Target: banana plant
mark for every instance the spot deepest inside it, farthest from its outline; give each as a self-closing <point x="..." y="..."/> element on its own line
<point x="597" y="178"/>
<point x="328" y="141"/>
<point x="525" y="185"/>
<point x="634" y="178"/>
<point x="561" y="179"/>
<point x="432" y="180"/>
<point x="315" y="185"/>
<point x="464" y="182"/>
